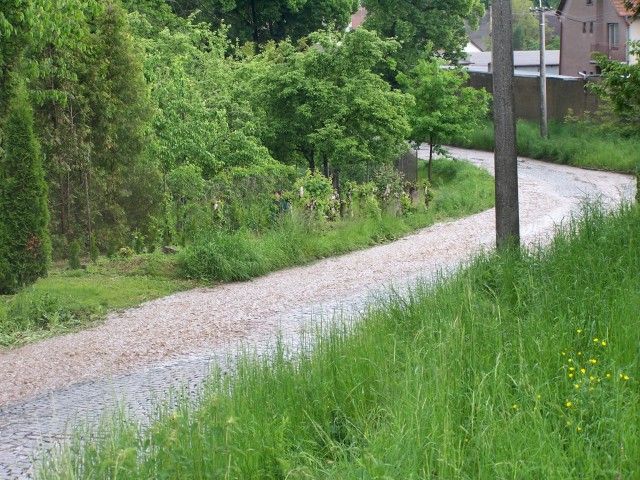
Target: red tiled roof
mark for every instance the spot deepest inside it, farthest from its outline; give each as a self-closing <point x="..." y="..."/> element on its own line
<point x="357" y="19"/>
<point x="621" y="8"/>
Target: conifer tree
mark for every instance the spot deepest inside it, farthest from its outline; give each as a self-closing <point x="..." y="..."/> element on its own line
<point x="25" y="246"/>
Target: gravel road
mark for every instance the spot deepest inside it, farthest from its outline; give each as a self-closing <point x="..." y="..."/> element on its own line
<point x="137" y="355"/>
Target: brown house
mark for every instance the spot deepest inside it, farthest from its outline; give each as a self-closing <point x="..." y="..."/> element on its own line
<point x="589" y="26"/>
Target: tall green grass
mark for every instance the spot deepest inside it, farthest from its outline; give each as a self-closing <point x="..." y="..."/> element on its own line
<point x="579" y="144"/>
<point x="459" y="189"/>
<point x="478" y="377"/>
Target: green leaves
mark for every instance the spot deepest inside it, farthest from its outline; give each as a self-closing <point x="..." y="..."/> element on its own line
<point x="444" y="105"/>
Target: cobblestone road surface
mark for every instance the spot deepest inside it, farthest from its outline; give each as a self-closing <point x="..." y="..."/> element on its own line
<point x="135" y="357"/>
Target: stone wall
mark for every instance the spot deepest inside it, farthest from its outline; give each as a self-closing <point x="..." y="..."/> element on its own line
<point x="563" y="94"/>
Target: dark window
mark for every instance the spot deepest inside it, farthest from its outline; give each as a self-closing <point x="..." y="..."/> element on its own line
<point x="590" y="27"/>
<point x="589" y="2"/>
<point x="613" y="34"/>
<point x="584" y="27"/>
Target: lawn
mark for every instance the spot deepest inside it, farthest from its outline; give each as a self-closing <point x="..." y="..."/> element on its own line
<point x="71" y="299"/>
<point x="580" y="144"/>
<point x="524" y="365"/>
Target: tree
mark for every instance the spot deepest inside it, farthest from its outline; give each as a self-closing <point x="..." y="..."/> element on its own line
<point x="261" y="21"/>
<point x="620" y="85"/>
<point x="444" y="105"/>
<point x="25" y="246"/>
<point x="328" y="107"/>
<point x="423" y="28"/>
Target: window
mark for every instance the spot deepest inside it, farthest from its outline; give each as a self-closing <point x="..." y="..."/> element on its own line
<point x="589" y="2"/>
<point x="613" y="34"/>
<point x="584" y="27"/>
<point x="590" y="27"/>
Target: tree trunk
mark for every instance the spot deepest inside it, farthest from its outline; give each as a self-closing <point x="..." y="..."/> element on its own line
<point x="88" y="200"/>
<point x="325" y="167"/>
<point x="506" y="161"/>
<point x="429" y="169"/>
<point x="336" y="186"/>
<point x="254" y="21"/>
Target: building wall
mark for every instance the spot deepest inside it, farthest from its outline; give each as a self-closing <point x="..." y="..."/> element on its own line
<point x="577" y="45"/>
<point x="634" y="35"/>
<point x="563" y="95"/>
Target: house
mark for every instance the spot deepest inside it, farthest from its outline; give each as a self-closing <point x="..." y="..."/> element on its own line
<point x="524" y="61"/>
<point x="590" y="26"/>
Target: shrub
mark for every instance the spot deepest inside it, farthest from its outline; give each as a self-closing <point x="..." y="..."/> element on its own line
<point x="25" y="245"/>
<point x="313" y="194"/>
<point x="74" y="255"/>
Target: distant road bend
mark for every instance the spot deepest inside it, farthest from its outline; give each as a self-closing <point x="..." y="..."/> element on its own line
<point x="136" y="355"/>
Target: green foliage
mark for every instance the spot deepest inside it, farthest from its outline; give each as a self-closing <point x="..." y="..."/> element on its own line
<point x="444" y="106"/>
<point x="25" y="244"/>
<point x="390" y="186"/>
<point x="467" y="378"/>
<point x="620" y="85"/>
<point x="312" y="94"/>
<point x="314" y="196"/>
<point x="582" y="144"/>
<point x="262" y="21"/>
<point x="363" y="200"/>
<point x="459" y="189"/>
<point x="423" y="28"/>
<point x="74" y="255"/>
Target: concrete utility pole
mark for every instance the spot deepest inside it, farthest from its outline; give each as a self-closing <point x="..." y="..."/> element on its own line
<point x="506" y="160"/>
<point x="540" y="10"/>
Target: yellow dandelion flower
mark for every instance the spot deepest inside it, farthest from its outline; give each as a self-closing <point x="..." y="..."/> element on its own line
<point x="592" y="378"/>
<point x="579" y="354"/>
<point x="604" y="343"/>
<point x="571" y="369"/>
<point x="593" y="361"/>
<point x="568" y="404"/>
<point x="608" y="375"/>
<point x="564" y="354"/>
<point x="538" y="397"/>
<point x="568" y="423"/>
<point x="571" y="375"/>
<point x="576" y="386"/>
<point x="625" y="377"/>
<point x="583" y="371"/>
<point x="596" y="340"/>
<point x="579" y="330"/>
<point x="579" y="429"/>
<point x="514" y="406"/>
<point x="571" y="360"/>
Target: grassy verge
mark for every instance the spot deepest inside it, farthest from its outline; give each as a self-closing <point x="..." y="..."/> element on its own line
<point x="459" y="189"/>
<point x="578" y="144"/>
<point x="68" y="300"/>
<point x="521" y="366"/>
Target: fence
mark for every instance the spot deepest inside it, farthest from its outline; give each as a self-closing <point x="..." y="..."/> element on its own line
<point x="564" y="94"/>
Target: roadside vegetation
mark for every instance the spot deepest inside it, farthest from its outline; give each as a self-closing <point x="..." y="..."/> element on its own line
<point x="578" y="143"/>
<point x="520" y="366"/>
<point x="71" y="298"/>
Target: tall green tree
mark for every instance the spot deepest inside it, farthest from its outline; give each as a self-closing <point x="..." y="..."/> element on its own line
<point x="444" y="106"/>
<point x="25" y="246"/>
<point x="424" y="27"/>
<point x="259" y="21"/>
<point x="327" y="106"/>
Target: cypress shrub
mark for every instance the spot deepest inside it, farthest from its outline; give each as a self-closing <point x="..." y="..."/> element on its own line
<point x="25" y="245"/>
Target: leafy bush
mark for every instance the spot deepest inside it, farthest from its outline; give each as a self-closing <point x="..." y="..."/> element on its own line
<point x="313" y="195"/>
<point x="74" y="255"/>
<point x="363" y="200"/>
